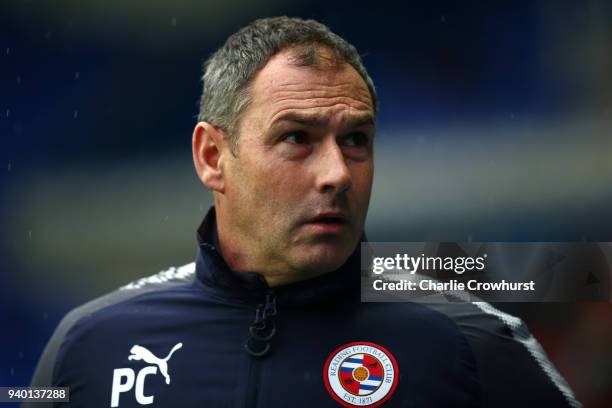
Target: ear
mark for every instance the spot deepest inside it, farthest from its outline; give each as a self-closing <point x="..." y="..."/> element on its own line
<point x="207" y="144"/>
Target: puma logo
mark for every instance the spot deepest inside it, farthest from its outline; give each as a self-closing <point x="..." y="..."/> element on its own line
<point x="141" y="353"/>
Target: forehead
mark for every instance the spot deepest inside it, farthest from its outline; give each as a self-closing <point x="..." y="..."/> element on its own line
<point x="325" y="90"/>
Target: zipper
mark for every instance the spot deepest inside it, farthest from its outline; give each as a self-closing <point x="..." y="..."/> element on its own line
<point x="252" y="391"/>
<point x="263" y="328"/>
<point x="259" y="344"/>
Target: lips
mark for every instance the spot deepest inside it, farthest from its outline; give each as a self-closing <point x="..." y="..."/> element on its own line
<point x="328" y="218"/>
<point x="328" y="222"/>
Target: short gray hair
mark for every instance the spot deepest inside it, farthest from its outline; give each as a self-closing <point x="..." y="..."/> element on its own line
<point x="230" y="70"/>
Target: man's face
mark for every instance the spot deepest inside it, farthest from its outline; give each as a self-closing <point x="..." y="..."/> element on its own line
<point x="297" y="193"/>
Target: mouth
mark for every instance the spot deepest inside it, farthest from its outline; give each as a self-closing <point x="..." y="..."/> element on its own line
<point x="328" y="222"/>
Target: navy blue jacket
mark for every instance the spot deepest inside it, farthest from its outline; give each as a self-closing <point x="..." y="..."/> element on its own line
<point x="202" y="335"/>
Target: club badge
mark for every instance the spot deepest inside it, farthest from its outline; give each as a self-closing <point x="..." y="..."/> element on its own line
<point x="361" y="374"/>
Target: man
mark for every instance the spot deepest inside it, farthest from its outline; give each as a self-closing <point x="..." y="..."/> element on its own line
<point x="270" y="315"/>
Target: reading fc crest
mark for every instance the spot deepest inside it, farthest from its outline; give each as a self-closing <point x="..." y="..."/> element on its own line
<point x="361" y="374"/>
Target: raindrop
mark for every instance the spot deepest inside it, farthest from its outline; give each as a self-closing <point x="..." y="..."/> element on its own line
<point x="76" y="114"/>
<point x="173" y="21"/>
<point x="12" y="371"/>
<point x="8" y="112"/>
<point x="511" y="115"/>
<point x="29" y="234"/>
<point x="8" y="50"/>
<point x="470" y="238"/>
<point x="201" y="207"/>
<point x="166" y="218"/>
<point x="76" y="75"/>
<point x="10" y="166"/>
<point x="443" y="18"/>
<point x="18" y="79"/>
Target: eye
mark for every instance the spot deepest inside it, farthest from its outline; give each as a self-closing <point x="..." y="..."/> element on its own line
<point x="356" y="139"/>
<point x="294" y="137"/>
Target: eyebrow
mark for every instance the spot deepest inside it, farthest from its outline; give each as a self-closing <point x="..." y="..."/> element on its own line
<point x="322" y="121"/>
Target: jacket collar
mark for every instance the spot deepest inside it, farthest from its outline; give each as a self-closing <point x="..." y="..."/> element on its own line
<point x="215" y="275"/>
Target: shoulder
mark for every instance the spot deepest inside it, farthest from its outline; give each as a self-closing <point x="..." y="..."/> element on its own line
<point x="115" y="304"/>
<point x="108" y="312"/>
<point x="513" y="368"/>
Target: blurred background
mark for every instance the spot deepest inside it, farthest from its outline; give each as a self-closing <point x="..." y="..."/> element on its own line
<point x="495" y="124"/>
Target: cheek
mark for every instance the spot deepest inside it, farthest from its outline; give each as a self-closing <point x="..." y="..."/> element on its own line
<point x="284" y="182"/>
<point x="242" y="190"/>
<point x="272" y="190"/>
<point x="362" y="180"/>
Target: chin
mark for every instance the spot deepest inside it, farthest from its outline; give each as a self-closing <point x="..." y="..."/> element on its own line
<point x="323" y="259"/>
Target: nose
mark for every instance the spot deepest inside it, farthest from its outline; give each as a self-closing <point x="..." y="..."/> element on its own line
<point x="333" y="175"/>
